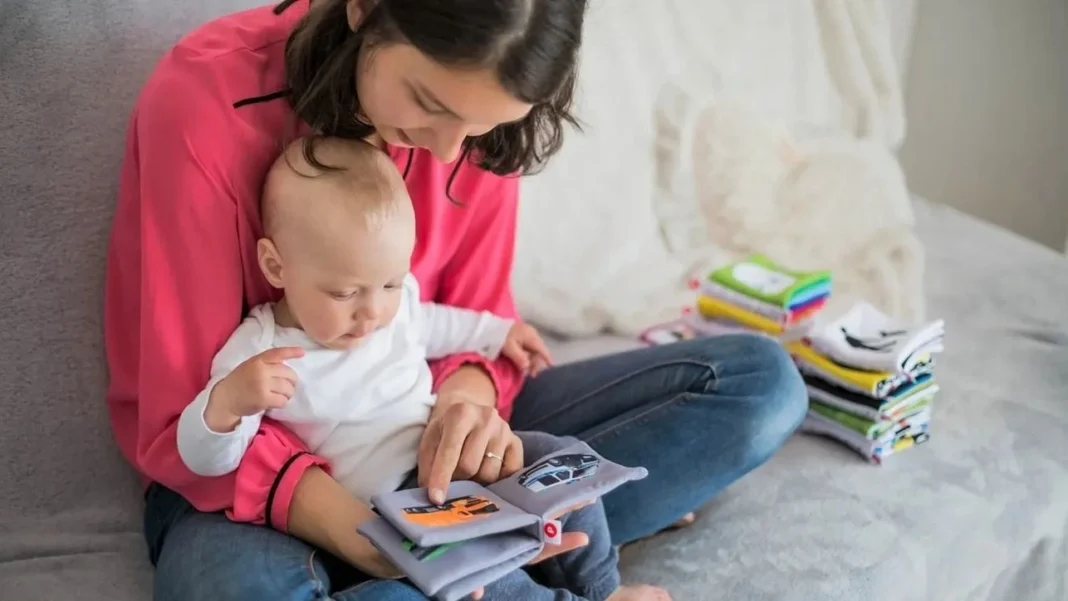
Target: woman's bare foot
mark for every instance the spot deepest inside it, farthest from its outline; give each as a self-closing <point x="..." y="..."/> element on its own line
<point x="687" y="520"/>
<point x="639" y="592"/>
<point x="682" y="522"/>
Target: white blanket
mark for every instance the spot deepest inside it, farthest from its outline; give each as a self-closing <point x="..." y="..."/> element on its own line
<point x="655" y="190"/>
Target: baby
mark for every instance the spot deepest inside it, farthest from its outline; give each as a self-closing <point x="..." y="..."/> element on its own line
<point x="342" y="358"/>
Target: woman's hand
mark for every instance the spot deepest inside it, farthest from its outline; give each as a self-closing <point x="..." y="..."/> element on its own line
<point x="466" y="440"/>
<point x="463" y="425"/>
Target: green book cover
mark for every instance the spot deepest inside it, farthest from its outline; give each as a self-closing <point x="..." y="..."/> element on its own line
<point x="759" y="277"/>
<point x="865" y="427"/>
<point x="873" y="430"/>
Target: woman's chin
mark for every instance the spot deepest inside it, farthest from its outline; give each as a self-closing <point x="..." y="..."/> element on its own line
<point x="397" y="137"/>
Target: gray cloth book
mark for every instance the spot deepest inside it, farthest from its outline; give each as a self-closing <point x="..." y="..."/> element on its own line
<point x="481" y="532"/>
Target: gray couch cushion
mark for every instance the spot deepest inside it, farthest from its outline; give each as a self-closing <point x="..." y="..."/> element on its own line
<point x="70" y="507"/>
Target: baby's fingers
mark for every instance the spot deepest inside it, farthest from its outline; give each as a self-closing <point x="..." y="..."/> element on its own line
<point x="283" y="372"/>
<point x="283" y="387"/>
<point x="536" y="346"/>
<point x="518" y="355"/>
<point x="277" y="401"/>
<point x="280" y="354"/>
<point x="539" y="364"/>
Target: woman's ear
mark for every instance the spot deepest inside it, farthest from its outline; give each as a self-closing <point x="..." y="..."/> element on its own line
<point x="270" y="262"/>
<point x="354" y="12"/>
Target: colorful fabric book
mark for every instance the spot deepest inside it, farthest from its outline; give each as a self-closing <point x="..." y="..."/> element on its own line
<point x="810" y="295"/>
<point x="716" y="290"/>
<point x="714" y="308"/>
<point x="718" y="327"/>
<point x="867" y="339"/>
<point x="905" y="434"/>
<point x="480" y="533"/>
<point x="806" y="311"/>
<point x="876" y="429"/>
<point x="760" y="278"/>
<point x="788" y="316"/>
<point x="867" y="407"/>
<point x="878" y="384"/>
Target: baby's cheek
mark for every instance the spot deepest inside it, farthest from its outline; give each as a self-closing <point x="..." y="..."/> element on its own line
<point x="332" y="321"/>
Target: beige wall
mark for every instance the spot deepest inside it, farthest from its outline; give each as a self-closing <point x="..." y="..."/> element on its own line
<point x="987" y="105"/>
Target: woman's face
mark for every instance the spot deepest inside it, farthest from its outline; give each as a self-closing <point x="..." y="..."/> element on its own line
<point x="414" y="102"/>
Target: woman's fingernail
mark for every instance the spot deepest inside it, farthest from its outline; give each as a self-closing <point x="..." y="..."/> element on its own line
<point x="436" y="495"/>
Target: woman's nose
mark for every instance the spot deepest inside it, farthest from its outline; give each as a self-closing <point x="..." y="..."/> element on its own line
<point x="448" y="141"/>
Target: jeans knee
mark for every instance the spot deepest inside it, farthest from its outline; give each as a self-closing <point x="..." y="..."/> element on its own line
<point x="760" y="373"/>
<point x="778" y="407"/>
<point x="206" y="556"/>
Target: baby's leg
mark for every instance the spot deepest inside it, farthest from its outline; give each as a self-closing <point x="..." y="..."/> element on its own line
<point x="592" y="572"/>
<point x="518" y="584"/>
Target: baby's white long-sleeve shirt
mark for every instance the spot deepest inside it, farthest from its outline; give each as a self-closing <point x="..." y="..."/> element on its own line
<point x="364" y="409"/>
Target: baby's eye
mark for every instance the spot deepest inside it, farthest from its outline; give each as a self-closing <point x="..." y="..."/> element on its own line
<point x="344" y="295"/>
<point x="392" y="286"/>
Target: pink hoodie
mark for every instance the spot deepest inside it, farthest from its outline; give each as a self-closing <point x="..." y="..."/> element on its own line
<point x="182" y="263"/>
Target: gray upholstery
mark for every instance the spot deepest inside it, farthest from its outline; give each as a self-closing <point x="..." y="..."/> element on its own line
<point x="70" y="507"/>
<point x="979" y="513"/>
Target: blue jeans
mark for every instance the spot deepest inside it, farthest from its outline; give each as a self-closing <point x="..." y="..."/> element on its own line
<point x="698" y="414"/>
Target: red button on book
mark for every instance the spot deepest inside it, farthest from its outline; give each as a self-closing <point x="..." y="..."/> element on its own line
<point x="552" y="532"/>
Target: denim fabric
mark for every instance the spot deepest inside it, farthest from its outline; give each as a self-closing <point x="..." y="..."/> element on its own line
<point x="698" y="415"/>
<point x="204" y="556"/>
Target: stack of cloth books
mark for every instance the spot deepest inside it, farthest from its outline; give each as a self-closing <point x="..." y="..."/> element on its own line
<point x="870" y="380"/>
<point x="754" y="295"/>
<point x="757" y="294"/>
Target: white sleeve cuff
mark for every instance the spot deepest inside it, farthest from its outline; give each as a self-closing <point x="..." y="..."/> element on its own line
<point x="207" y="452"/>
<point x="494" y="333"/>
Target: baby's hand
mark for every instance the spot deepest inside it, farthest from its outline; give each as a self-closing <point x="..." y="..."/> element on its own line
<point x="526" y="349"/>
<point x="260" y="383"/>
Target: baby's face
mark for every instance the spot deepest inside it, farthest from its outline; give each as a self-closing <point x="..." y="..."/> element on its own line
<point x="350" y="285"/>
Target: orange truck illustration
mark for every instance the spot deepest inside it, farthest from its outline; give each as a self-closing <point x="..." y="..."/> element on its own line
<point x="454" y="511"/>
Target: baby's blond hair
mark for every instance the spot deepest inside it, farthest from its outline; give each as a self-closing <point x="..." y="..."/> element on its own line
<point x="361" y="182"/>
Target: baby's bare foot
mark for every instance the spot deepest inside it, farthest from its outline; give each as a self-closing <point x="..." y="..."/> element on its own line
<point x="639" y="592"/>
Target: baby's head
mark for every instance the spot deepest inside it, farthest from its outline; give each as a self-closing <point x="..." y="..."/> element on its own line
<point x="339" y="243"/>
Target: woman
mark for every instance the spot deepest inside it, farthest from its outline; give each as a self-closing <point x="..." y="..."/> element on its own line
<point x="462" y="95"/>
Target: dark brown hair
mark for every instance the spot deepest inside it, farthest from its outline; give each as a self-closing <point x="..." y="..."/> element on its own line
<point x="531" y="44"/>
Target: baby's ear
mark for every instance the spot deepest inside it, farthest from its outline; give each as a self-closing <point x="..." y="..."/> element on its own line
<point x="270" y="262"/>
